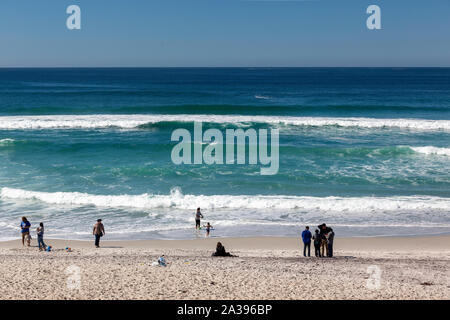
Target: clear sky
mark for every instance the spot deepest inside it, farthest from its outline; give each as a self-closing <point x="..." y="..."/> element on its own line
<point x="224" y="33"/>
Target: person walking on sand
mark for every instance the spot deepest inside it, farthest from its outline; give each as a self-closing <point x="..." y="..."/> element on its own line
<point x="306" y="237"/>
<point x="317" y="240"/>
<point x="198" y="216"/>
<point x="25" y="231"/>
<point x="40" y="237"/>
<point x="98" y="232"/>
<point x="330" y="243"/>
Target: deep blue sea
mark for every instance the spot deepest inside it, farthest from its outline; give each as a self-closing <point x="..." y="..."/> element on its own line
<point x="366" y="150"/>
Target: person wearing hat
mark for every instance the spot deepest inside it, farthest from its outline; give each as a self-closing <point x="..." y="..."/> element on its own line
<point x="98" y="232"/>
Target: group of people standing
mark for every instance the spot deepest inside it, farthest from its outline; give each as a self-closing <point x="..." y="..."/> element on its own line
<point x="323" y="239"/>
<point x="25" y="225"/>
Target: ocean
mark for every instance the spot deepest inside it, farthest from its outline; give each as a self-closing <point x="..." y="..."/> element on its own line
<point x="366" y="150"/>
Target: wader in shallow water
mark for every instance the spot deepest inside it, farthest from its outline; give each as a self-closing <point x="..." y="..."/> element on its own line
<point x="198" y="216"/>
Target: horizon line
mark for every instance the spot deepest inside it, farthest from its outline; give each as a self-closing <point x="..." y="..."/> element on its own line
<point x="213" y="67"/>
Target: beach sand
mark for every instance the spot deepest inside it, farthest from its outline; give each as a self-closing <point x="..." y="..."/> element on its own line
<point x="267" y="268"/>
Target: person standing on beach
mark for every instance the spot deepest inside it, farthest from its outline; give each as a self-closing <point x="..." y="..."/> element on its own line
<point x="324" y="246"/>
<point x="330" y="243"/>
<point x="306" y="237"/>
<point x="198" y="216"/>
<point x="40" y="236"/>
<point x="25" y="231"/>
<point x="317" y="239"/>
<point x="98" y="232"/>
<point x="324" y="230"/>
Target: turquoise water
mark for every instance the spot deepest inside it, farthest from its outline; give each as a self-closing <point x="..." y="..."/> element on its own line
<point x="365" y="150"/>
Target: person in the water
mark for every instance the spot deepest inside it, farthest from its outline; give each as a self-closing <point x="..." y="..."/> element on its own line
<point x="198" y="216"/>
<point x="208" y="229"/>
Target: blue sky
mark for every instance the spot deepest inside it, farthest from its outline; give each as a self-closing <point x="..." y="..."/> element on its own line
<point x="224" y="33"/>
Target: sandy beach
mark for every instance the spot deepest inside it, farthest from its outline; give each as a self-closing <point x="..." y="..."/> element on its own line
<point x="267" y="268"/>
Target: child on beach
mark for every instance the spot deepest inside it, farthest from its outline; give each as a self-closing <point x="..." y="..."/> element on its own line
<point x="162" y="261"/>
<point x="208" y="228"/>
<point x="40" y="236"/>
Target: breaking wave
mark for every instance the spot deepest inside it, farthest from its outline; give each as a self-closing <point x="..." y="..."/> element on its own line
<point x="429" y="150"/>
<point x="177" y="200"/>
<point x="136" y="120"/>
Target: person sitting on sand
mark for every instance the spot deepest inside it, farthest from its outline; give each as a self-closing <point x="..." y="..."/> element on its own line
<point x="98" y="232"/>
<point x="40" y="237"/>
<point x="317" y="241"/>
<point x="220" y="251"/>
<point x="208" y="228"/>
<point x="198" y="215"/>
<point x="162" y="261"/>
<point x="25" y="231"/>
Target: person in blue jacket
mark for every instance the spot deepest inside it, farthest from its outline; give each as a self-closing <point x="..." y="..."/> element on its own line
<point x="306" y="237"/>
<point x="25" y="231"/>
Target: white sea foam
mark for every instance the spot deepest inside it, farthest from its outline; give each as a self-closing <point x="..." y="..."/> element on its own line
<point x="429" y="150"/>
<point x="177" y="200"/>
<point x="136" y="120"/>
<point x="6" y="141"/>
